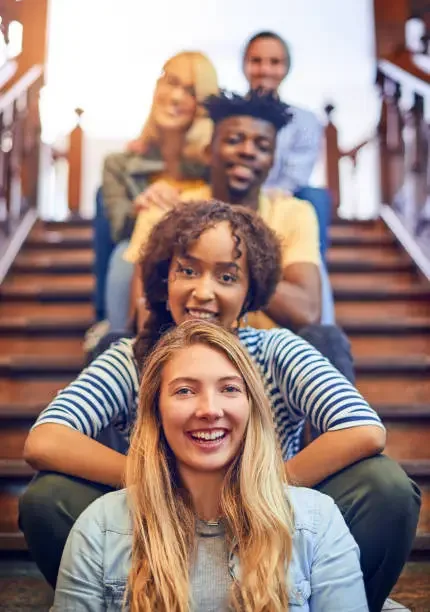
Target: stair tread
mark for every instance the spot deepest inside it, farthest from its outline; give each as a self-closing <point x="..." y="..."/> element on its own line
<point x="46" y="347"/>
<point x="385" y="254"/>
<point x="48" y="257"/>
<point x="356" y="324"/>
<point x="397" y="390"/>
<point x="378" y="312"/>
<point x="365" y="280"/>
<point x="40" y="311"/>
<point x="39" y="285"/>
<point x="35" y="391"/>
<point x="383" y="346"/>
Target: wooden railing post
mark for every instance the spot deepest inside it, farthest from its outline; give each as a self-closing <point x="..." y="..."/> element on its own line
<point x="332" y="158"/>
<point x="74" y="157"/>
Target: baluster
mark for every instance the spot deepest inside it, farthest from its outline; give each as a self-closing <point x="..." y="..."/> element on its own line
<point x="394" y="118"/>
<point x="74" y="157"/>
<point x="417" y="114"/>
<point x="382" y="139"/>
<point x="332" y="159"/>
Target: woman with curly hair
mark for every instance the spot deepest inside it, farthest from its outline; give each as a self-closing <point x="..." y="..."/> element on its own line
<point x="215" y="262"/>
<point x="207" y="522"/>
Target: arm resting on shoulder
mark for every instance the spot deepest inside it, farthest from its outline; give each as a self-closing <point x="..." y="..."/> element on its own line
<point x="59" y="448"/>
<point x="336" y="577"/>
<point x="297" y="299"/>
<point x="332" y="451"/>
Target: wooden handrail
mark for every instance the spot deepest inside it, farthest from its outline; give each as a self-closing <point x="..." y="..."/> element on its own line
<point x="404" y="147"/>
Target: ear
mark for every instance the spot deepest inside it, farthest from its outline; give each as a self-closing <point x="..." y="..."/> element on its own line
<point x="207" y="154"/>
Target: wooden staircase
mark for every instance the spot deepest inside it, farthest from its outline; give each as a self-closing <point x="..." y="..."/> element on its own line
<point x="384" y="307"/>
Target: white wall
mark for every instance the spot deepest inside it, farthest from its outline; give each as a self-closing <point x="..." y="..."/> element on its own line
<point x="105" y="56"/>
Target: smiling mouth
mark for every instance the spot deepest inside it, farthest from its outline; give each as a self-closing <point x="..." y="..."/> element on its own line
<point x="204" y="315"/>
<point x="208" y="439"/>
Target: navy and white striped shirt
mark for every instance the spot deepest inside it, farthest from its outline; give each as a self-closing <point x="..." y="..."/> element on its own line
<point x="299" y="381"/>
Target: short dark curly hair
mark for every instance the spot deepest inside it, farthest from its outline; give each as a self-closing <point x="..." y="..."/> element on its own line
<point x="256" y="103"/>
<point x="177" y="231"/>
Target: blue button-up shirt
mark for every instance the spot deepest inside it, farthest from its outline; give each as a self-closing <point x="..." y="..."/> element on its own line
<point x="297" y="149"/>
<point x="324" y="574"/>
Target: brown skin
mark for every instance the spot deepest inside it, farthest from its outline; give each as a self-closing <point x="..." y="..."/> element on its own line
<point x="242" y="154"/>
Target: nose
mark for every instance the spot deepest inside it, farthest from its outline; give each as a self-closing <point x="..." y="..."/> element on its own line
<point x="248" y="149"/>
<point x="177" y="93"/>
<point x="203" y="289"/>
<point x="209" y="407"/>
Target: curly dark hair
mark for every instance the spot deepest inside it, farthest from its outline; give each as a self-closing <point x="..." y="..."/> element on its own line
<point x="177" y="231"/>
<point x="257" y="103"/>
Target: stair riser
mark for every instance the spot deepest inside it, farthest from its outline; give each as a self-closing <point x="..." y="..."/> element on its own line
<point x="394" y="390"/>
<point x="408" y="440"/>
<point x="383" y="346"/>
<point x="377" y="310"/>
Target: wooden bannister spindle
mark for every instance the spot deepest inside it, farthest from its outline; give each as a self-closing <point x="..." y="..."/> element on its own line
<point x="332" y="158"/>
<point x="74" y="157"/>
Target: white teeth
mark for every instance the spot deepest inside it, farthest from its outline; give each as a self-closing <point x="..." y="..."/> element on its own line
<point x="199" y="314"/>
<point x="206" y="435"/>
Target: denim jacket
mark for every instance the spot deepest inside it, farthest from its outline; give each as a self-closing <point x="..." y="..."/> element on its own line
<point x="324" y="574"/>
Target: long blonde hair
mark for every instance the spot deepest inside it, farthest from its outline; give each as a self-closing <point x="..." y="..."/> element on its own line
<point x="258" y="516"/>
<point x="205" y="84"/>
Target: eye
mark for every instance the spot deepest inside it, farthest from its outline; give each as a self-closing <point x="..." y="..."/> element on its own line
<point x="186" y="271"/>
<point x="183" y="391"/>
<point x="228" y="278"/>
<point x="233" y="139"/>
<point x="232" y="389"/>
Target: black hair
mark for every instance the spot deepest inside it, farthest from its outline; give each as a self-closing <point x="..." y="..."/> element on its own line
<point x="257" y="103"/>
<point x="269" y="34"/>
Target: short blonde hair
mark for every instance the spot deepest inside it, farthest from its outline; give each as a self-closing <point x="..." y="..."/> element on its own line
<point x="205" y="84"/>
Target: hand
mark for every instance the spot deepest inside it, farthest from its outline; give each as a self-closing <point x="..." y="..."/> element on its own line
<point x="275" y="192"/>
<point x="160" y="194"/>
<point x="135" y="146"/>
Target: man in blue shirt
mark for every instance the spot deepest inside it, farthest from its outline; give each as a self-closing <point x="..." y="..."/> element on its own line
<point x="266" y="63"/>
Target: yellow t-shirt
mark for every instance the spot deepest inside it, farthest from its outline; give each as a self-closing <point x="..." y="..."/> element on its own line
<point x="293" y="220"/>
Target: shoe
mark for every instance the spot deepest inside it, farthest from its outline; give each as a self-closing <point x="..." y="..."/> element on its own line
<point x="94" y="334"/>
<point x="392" y="606"/>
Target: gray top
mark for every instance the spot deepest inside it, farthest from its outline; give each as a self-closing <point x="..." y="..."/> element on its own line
<point x="210" y="579"/>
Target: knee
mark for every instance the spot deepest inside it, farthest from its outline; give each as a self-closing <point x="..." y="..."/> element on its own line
<point x="389" y="489"/>
<point x="325" y="335"/>
<point x="39" y="501"/>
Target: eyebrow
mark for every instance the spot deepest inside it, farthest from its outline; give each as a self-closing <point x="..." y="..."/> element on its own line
<point x="229" y="264"/>
<point x="190" y="379"/>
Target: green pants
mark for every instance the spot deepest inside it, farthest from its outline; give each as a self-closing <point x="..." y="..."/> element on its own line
<point x="379" y="502"/>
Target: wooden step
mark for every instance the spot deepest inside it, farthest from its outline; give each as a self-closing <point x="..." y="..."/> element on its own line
<point x="408" y="412"/>
<point x="13" y="435"/>
<point x="18" y="346"/>
<point x="26" y="400"/>
<point x="358" y="265"/>
<point x="404" y="325"/>
<point x="67" y="261"/>
<point x="67" y="237"/>
<point x="363" y="280"/>
<point x="80" y="289"/>
<point x="350" y="231"/>
<point x="383" y="294"/>
<point x="384" y="254"/>
<point x="398" y="390"/>
<point x="411" y="365"/>
<point x="384" y="346"/>
<point x="408" y="440"/>
<point x="359" y="241"/>
<point x="377" y="311"/>
<point x="36" y="310"/>
<point x="43" y="326"/>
